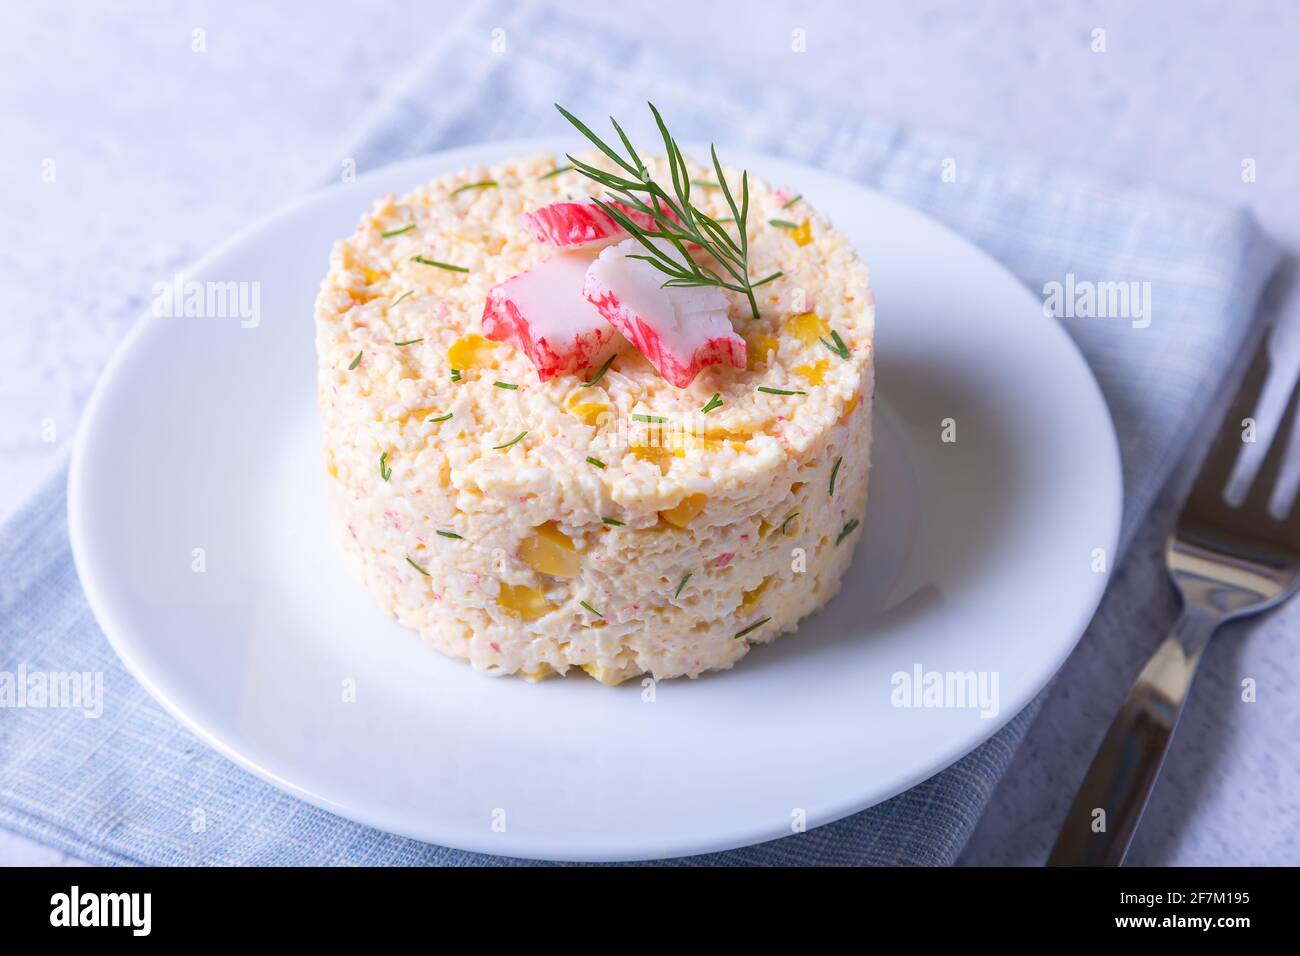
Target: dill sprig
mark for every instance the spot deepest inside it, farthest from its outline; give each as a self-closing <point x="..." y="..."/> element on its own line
<point x="713" y="403"/>
<point x="675" y="218"/>
<point x="355" y="362"/>
<point x="753" y="627"/>
<point x="847" y="530"/>
<point x="591" y="609"/>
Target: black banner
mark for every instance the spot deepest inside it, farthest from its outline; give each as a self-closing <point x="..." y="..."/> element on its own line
<point x="332" y="906"/>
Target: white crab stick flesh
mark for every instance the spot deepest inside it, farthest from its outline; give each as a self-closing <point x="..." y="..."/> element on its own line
<point x="543" y="313"/>
<point x="582" y="225"/>
<point x="680" y="330"/>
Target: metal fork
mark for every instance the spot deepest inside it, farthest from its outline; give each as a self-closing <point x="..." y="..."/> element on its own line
<point x="1227" y="561"/>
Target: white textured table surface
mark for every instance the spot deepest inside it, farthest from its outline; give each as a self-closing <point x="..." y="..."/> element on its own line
<point x="159" y="152"/>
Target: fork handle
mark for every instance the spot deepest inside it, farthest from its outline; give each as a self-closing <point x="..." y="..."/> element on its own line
<point x="1128" y="761"/>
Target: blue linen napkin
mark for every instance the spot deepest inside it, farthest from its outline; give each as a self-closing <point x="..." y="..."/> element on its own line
<point x="123" y="788"/>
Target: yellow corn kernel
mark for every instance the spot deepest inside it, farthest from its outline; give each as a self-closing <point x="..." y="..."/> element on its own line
<point x="471" y="351"/>
<point x="528" y="603"/>
<point x="686" y="510"/>
<point x="658" y="454"/>
<point x="551" y="551"/>
<point x="815" y="373"/>
<point x="588" y="412"/>
<point x="757" y="347"/>
<point x="807" y="327"/>
<point x="607" y="675"/>
<point x="543" y="670"/>
<point x="723" y="434"/>
<point x="750" y="598"/>
<point x="701" y="443"/>
<point x="851" y="404"/>
<point x="371" y="275"/>
<point x="763" y="528"/>
<point x="803" y="235"/>
<point x="737" y="440"/>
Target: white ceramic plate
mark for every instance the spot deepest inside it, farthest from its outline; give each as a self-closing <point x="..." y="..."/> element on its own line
<point x="977" y="556"/>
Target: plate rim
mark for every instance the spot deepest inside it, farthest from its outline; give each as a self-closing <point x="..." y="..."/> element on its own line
<point x="533" y="846"/>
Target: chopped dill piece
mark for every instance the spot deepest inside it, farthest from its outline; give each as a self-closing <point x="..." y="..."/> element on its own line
<point x="510" y="442"/>
<point x="837" y="346"/>
<point x="846" y="531"/>
<point x="753" y="627"/>
<point x="438" y="265"/>
<point x="483" y="184"/>
<point x="603" y="369"/>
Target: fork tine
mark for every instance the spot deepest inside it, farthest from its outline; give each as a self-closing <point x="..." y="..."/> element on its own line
<point x="1267" y="487"/>
<point x="1228" y="452"/>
